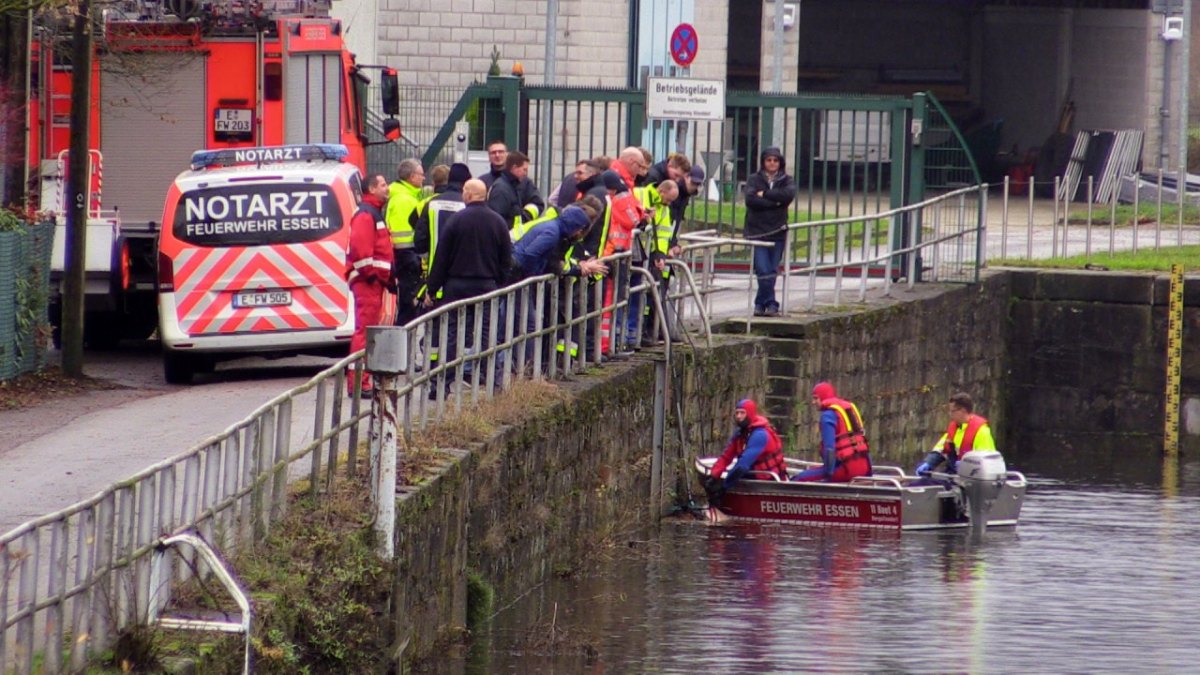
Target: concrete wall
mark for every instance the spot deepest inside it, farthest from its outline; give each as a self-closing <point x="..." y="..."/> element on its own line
<point x="1091" y="375"/>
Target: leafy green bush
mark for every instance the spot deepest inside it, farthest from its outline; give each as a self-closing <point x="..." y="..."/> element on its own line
<point x="11" y="222"/>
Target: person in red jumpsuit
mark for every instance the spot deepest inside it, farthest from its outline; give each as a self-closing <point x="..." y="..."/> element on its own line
<point x="368" y="266"/>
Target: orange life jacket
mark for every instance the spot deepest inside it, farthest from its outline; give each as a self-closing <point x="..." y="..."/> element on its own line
<point x="850" y="441"/>
<point x="627" y="213"/>
<point x="973" y="425"/>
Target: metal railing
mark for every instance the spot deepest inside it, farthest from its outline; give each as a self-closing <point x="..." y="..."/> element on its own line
<point x="938" y="239"/>
<point x="541" y="327"/>
<point x="1039" y="220"/>
<point x="942" y="241"/>
<point x="71" y="580"/>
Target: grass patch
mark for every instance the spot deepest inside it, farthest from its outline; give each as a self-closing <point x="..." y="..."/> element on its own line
<point x="1145" y="260"/>
<point x="478" y="423"/>
<point x="1125" y="215"/>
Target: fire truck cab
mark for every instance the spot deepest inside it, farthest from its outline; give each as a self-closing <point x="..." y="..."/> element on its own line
<point x="170" y="78"/>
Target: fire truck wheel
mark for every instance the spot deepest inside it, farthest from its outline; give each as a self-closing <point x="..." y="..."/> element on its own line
<point x="178" y="368"/>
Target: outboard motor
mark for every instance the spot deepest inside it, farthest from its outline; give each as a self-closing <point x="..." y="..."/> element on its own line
<point x="981" y="475"/>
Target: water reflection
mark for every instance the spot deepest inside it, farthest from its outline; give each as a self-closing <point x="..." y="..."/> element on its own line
<point x="1097" y="578"/>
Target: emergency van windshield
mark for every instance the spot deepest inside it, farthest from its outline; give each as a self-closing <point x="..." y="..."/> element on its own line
<point x="256" y="215"/>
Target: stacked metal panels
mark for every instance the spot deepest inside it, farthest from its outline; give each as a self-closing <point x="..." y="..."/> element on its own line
<point x="1106" y="156"/>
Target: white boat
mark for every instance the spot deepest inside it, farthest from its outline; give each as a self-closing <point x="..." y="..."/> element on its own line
<point x="983" y="491"/>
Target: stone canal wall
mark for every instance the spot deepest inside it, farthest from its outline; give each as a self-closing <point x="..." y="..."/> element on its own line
<point x="541" y="494"/>
<point x="1057" y="361"/>
<point x="897" y="359"/>
<point x="1089" y="366"/>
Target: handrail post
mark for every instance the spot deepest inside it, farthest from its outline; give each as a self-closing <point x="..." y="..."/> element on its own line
<point x="387" y="358"/>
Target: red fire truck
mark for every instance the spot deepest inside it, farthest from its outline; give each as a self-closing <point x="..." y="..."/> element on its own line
<point x="172" y="78"/>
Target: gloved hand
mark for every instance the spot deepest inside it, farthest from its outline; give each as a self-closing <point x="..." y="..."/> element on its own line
<point x="932" y="460"/>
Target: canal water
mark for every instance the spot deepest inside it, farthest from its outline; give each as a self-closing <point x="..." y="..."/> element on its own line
<point x="1100" y="576"/>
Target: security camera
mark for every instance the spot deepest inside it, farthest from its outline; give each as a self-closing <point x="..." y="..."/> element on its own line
<point x="1172" y="28"/>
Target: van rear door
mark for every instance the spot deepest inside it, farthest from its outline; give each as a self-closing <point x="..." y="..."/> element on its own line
<point x="259" y="257"/>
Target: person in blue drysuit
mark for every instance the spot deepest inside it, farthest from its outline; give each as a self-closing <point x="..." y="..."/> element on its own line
<point x="844" y="451"/>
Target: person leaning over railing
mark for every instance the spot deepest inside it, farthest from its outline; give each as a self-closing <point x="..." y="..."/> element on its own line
<point x="626" y="215"/>
<point x="592" y="246"/>
<point x="544" y="249"/>
<point x="656" y="200"/>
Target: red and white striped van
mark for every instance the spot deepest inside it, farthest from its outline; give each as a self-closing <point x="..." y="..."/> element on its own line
<point x="252" y="256"/>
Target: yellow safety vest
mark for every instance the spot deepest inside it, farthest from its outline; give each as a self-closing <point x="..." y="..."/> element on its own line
<point x="403" y="199"/>
<point x="520" y="229"/>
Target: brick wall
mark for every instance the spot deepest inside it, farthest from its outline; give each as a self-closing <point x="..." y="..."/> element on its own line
<point x="449" y="42"/>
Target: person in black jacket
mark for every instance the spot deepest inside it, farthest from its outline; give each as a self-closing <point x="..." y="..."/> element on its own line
<point x="513" y="195"/>
<point x="768" y="194"/>
<point x="473" y="257"/>
<point x="497" y="154"/>
<point x="432" y="216"/>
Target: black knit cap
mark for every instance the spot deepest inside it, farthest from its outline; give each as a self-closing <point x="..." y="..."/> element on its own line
<point x="459" y="173"/>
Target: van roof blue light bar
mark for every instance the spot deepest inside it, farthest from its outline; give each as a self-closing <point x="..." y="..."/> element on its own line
<point x="324" y="152"/>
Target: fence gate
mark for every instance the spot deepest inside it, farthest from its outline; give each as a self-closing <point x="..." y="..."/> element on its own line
<point x="848" y="154"/>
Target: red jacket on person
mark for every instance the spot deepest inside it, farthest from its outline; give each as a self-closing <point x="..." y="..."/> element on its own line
<point x="755" y="448"/>
<point x="369" y="256"/>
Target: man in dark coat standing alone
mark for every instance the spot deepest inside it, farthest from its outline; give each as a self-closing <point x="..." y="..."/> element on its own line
<point x="768" y="194"/>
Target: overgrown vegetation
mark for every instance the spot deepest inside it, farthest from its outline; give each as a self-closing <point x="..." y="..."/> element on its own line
<point x="320" y="595"/>
<point x="1144" y="260"/>
<point x="478" y="423"/>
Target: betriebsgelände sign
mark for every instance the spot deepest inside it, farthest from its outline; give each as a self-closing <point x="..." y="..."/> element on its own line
<point x="674" y="98"/>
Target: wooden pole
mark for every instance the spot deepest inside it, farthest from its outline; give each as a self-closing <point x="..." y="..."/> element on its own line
<point x="78" y="196"/>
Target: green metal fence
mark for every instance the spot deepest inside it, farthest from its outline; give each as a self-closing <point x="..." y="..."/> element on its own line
<point x="849" y="154"/>
<point x="949" y="156"/>
<point x="24" y="295"/>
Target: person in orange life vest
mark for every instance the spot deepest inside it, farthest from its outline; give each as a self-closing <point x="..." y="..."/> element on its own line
<point x="966" y="432"/>
<point x="626" y="214"/>
<point x="844" y="451"/>
<point x="368" y="265"/>
<point x="754" y="446"/>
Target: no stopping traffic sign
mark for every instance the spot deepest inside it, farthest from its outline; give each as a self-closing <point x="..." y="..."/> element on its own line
<point x="684" y="44"/>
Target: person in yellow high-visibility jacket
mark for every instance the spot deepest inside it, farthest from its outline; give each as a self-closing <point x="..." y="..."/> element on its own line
<point x="967" y="431"/>
<point x="656" y="199"/>
<point x="404" y="198"/>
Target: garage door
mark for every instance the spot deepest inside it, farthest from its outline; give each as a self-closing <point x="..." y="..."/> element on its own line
<point x="151" y="120"/>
